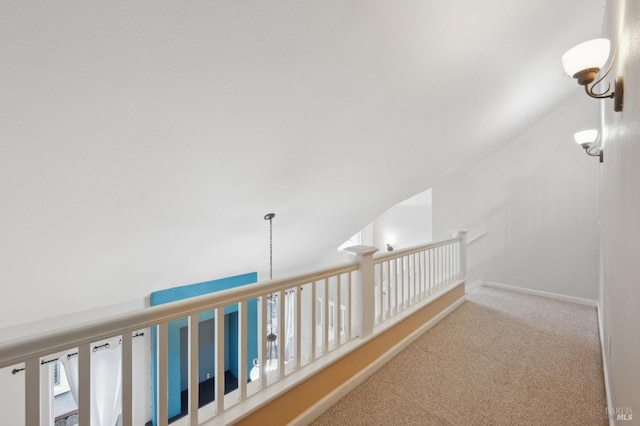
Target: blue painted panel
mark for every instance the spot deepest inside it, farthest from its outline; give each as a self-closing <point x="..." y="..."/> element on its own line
<point x="175" y="381"/>
<point x="186" y="291"/>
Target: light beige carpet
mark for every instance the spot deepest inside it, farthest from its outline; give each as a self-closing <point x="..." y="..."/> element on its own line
<point x="501" y="358"/>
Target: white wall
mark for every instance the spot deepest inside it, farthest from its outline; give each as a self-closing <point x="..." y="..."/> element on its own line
<point x="141" y="145"/>
<point x="620" y="210"/>
<point x="404" y="225"/>
<point x="537" y="200"/>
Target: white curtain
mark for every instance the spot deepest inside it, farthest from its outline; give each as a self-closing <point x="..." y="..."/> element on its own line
<point x="70" y="363"/>
<point x="289" y="322"/>
<point x="106" y="380"/>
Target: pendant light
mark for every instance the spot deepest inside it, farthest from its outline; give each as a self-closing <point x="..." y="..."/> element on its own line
<point x="272" y="349"/>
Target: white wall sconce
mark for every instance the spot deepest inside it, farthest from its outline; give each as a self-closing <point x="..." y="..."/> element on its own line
<point x="389" y="242"/>
<point x="589" y="140"/>
<point x="584" y="61"/>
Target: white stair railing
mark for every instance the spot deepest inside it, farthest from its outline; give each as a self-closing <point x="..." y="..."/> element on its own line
<point x="332" y="308"/>
<point x="405" y="277"/>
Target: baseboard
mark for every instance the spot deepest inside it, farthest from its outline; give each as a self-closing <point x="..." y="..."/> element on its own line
<point x="473" y="286"/>
<point x="341" y="391"/>
<point x="550" y="295"/>
<point x="605" y="370"/>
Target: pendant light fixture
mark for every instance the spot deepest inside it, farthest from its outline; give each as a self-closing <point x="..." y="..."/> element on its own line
<point x="269" y="217"/>
<point x="272" y="350"/>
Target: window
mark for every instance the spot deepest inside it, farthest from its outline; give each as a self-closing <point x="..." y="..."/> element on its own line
<point x="60" y="383"/>
<point x="272" y="313"/>
<point x="56" y="373"/>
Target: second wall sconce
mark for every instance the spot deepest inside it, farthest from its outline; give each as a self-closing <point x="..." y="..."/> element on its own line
<point x="589" y="140"/>
<point x="584" y="61"/>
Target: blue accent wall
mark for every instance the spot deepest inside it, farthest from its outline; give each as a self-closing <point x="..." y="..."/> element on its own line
<point x="176" y="382"/>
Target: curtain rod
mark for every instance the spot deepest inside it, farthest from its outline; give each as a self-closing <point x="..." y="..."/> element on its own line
<point x="285" y="292"/>
<point x="95" y="348"/>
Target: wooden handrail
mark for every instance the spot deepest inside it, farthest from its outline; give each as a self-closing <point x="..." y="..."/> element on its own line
<point x="410" y="250"/>
<point x="43" y="344"/>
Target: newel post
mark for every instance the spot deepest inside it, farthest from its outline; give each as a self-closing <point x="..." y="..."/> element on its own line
<point x="363" y="291"/>
<point x="462" y="236"/>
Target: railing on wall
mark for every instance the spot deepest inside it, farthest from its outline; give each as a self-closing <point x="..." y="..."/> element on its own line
<point x="317" y="314"/>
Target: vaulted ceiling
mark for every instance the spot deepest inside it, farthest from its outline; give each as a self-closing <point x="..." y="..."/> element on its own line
<point x="142" y="142"/>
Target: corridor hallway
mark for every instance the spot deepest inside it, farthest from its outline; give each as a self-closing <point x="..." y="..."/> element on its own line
<point x="501" y="358"/>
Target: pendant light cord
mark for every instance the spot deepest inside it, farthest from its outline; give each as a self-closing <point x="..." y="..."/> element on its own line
<point x="270" y="249"/>
<point x="269" y="217"/>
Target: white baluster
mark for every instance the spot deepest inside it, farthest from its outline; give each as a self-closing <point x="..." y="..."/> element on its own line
<point x="325" y="318"/>
<point x="282" y="330"/>
<point x="84" y="384"/>
<point x="388" y="288"/>
<point x="430" y="265"/>
<point x="421" y="263"/>
<point x="416" y="276"/>
<point x="338" y="323"/>
<point x="46" y="394"/>
<point x="127" y="379"/>
<point x="162" y="385"/>
<point x="396" y="284"/>
<point x="194" y="379"/>
<point x="298" y="330"/>
<point x="262" y="340"/>
<point x="32" y="392"/>
<point x="242" y="350"/>
<point x="218" y="368"/>
<point x="403" y="273"/>
<point x="313" y="321"/>
<point x="440" y="267"/>
<point x="379" y="285"/>
<point x="449" y="259"/>
<point x="348" y="331"/>
<point x="454" y="261"/>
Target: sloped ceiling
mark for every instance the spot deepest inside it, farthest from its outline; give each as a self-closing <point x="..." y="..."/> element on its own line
<point x="142" y="142"/>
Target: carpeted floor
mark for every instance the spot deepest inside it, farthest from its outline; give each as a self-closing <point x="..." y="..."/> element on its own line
<point x="501" y="358"/>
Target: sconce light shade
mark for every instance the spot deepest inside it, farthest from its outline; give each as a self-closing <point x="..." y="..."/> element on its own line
<point x="585" y="60"/>
<point x="586" y="137"/>
<point x="590" y="55"/>
<point x="589" y="140"/>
